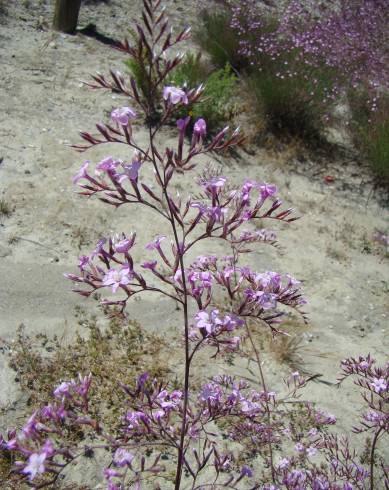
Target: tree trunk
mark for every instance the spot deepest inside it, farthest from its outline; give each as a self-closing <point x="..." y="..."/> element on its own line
<point x="66" y="15"/>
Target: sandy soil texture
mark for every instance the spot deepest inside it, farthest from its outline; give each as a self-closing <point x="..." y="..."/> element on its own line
<point x="43" y="105"/>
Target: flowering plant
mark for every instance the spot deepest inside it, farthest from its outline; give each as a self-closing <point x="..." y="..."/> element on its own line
<point x="160" y="422"/>
<point x="346" y="39"/>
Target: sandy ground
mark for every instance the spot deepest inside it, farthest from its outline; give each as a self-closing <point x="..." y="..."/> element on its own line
<point x="346" y="278"/>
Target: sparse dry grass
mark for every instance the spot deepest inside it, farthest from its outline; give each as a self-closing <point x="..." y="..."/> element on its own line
<point x="5" y="208"/>
<point x="337" y="253"/>
<point x="117" y="354"/>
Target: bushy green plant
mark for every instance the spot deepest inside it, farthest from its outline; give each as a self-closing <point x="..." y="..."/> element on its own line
<point x="291" y="105"/>
<point x="191" y="72"/>
<point x="216" y="106"/>
<point x="370" y="131"/>
<point x="216" y="37"/>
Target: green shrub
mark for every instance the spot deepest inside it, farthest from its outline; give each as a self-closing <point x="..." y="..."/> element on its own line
<point x="370" y="131"/>
<point x="285" y="105"/>
<point x="290" y="106"/>
<point x="216" y="106"/>
<point x="191" y="72"/>
<point x="219" y="40"/>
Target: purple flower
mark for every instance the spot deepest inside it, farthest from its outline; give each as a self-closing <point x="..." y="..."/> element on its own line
<point x="149" y="264"/>
<point x="117" y="278"/>
<point x="123" y="245"/>
<point x="208" y="321"/>
<point x="215" y="183"/>
<point x="267" y="301"/>
<point x="311" y="451"/>
<point x="267" y="190"/>
<point x="246" y="471"/>
<point x="82" y="174"/>
<point x="99" y="248"/>
<point x="135" y="418"/>
<point x="63" y="390"/>
<point x="142" y="378"/>
<point x="123" y="115"/>
<point x="174" y="95"/>
<point x="379" y="385"/>
<point x="35" y="465"/>
<point x="122" y="457"/>
<point x="83" y="385"/>
<point x="83" y="262"/>
<point x="211" y="392"/>
<point x="108" y="165"/>
<point x="156" y="243"/>
<point x="313" y="432"/>
<point x="11" y="445"/>
<point x="48" y="448"/>
<point x="283" y="464"/>
<point x="110" y="473"/>
<point x="299" y="447"/>
<point x="132" y="170"/>
<point x="182" y="124"/>
<point x="200" y="128"/>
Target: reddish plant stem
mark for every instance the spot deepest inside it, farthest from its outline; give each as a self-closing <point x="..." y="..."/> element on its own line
<point x="258" y="359"/>
<point x="180" y="460"/>
<point x="373" y="446"/>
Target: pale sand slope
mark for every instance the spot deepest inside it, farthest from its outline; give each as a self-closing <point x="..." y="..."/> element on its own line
<point x="43" y="106"/>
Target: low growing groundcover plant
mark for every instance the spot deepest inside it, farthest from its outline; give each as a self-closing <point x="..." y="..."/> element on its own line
<point x="225" y="433"/>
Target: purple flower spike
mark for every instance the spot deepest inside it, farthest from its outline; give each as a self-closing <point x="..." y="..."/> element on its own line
<point x="123" y="115"/>
<point x="175" y="95"/>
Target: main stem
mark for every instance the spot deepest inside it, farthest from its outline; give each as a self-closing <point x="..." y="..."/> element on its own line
<point x="373" y="446"/>
<point x="180" y="459"/>
<point x="180" y="252"/>
<point x="258" y="359"/>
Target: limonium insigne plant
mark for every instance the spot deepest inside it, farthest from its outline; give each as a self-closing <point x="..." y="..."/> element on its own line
<point x="161" y="423"/>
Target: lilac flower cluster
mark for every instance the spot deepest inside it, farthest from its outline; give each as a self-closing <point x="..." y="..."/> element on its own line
<point x="347" y="39"/>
